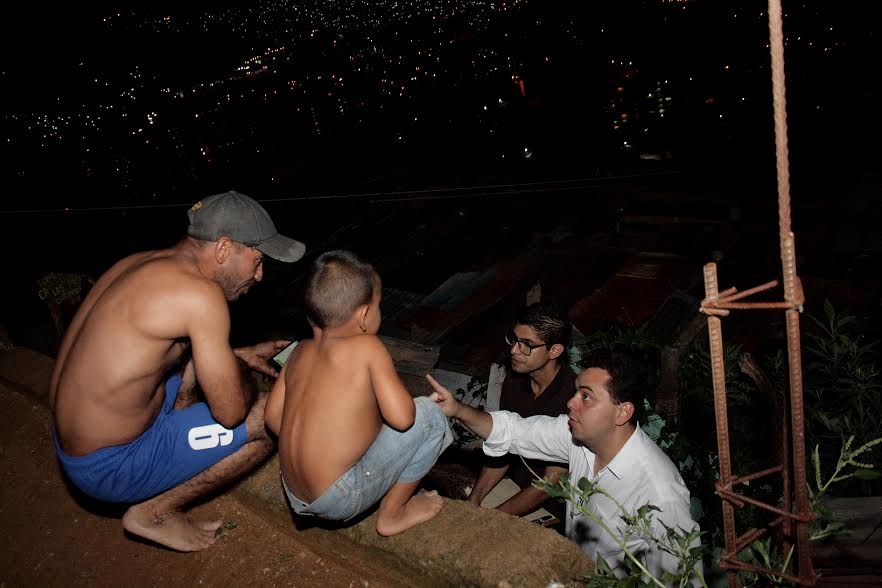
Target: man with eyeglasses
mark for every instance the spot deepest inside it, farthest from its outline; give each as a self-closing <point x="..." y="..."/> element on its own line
<point x="541" y="383"/>
<point x="125" y="424"/>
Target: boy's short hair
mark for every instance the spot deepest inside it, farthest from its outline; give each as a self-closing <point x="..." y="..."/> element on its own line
<point x="628" y="378"/>
<point x="549" y="321"/>
<point x="338" y="283"/>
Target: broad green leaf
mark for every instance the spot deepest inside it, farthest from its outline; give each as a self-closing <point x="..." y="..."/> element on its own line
<point x="867" y="474"/>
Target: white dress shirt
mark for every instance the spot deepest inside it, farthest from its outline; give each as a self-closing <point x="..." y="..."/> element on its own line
<point x="639" y="474"/>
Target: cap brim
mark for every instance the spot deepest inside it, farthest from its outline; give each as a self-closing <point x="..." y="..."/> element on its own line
<point x="282" y="248"/>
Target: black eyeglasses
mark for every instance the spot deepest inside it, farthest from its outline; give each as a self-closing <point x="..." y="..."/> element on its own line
<point x="525" y="347"/>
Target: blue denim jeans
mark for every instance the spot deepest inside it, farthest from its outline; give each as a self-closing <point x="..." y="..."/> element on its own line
<point x="394" y="456"/>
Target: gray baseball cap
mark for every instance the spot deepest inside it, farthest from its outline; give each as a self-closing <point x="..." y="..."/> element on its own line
<point x="243" y="220"/>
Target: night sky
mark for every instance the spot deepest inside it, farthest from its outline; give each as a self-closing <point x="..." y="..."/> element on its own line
<point x="147" y="105"/>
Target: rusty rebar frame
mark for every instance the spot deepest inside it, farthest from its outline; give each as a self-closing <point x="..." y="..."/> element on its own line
<point x="719" y="304"/>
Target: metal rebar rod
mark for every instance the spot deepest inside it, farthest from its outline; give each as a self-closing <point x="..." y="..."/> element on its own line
<point x="797" y="423"/>
<point x="754" y="476"/>
<point x="792" y="290"/>
<point x="729" y="563"/>
<point x="748" y="292"/>
<point x="736" y="497"/>
<point x="749" y="537"/>
<point x="718" y="372"/>
<point x="754" y="305"/>
<point x="786" y="442"/>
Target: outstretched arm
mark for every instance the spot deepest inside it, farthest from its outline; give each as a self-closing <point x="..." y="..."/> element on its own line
<point x="477" y="420"/>
<point x="531" y="498"/>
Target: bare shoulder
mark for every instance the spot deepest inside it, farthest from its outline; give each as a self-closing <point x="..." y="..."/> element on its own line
<point x="168" y="298"/>
<point x="304" y="352"/>
<point x="196" y="299"/>
<point x="371" y="347"/>
<point x="121" y="268"/>
<point x="171" y="274"/>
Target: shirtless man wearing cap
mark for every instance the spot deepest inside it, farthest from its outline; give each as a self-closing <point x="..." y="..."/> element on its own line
<point x="125" y="424"/>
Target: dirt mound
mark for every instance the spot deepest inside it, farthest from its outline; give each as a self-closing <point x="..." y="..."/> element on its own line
<point x="463" y="545"/>
<point x="53" y="534"/>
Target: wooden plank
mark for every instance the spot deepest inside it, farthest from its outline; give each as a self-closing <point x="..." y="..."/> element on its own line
<point x="862" y="549"/>
<point x="411" y="358"/>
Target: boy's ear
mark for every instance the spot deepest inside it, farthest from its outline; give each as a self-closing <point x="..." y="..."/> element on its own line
<point x="361" y="317"/>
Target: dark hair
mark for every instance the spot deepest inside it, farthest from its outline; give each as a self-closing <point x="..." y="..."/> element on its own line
<point x="338" y="283"/>
<point x="550" y="323"/>
<point x="627" y="381"/>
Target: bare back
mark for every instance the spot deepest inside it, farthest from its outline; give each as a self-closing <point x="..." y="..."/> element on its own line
<point x="337" y="394"/>
<point x="132" y="329"/>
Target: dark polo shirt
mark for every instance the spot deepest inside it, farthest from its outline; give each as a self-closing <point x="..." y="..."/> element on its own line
<point x="517" y="396"/>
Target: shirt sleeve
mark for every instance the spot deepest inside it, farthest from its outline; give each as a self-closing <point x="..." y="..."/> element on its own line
<point x="538" y="437"/>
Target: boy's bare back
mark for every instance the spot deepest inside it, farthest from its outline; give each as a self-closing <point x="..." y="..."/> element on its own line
<point x="340" y="404"/>
<point x="338" y="392"/>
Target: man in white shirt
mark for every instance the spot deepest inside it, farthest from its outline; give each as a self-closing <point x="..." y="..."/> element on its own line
<point x="601" y="440"/>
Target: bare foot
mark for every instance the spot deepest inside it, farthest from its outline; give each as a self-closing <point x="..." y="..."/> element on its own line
<point x="173" y="529"/>
<point x="420" y="508"/>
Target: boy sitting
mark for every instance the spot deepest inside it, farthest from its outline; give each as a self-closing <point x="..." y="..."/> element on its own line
<point x="350" y="434"/>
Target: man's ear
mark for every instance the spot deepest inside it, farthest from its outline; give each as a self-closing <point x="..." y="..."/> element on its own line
<point x="223" y="250"/>
<point x="624" y="412"/>
<point x="556" y="350"/>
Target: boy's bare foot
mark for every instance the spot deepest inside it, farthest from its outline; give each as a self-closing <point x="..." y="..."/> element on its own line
<point x="173" y="529"/>
<point x="421" y="507"/>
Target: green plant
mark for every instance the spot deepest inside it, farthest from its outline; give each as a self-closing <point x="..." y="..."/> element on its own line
<point x="843" y="406"/>
<point x="695" y="448"/>
<point x="823" y="525"/>
<point x="842" y="380"/>
<point x="685" y="546"/>
<point x="763" y="552"/>
<point x="843" y="390"/>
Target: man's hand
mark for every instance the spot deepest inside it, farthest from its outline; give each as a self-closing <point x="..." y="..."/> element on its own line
<point x="443" y="398"/>
<point x="258" y="357"/>
<point x="480" y="422"/>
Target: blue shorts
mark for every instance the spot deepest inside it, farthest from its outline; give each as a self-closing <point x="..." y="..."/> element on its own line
<point x="394" y="456"/>
<point x="177" y="446"/>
